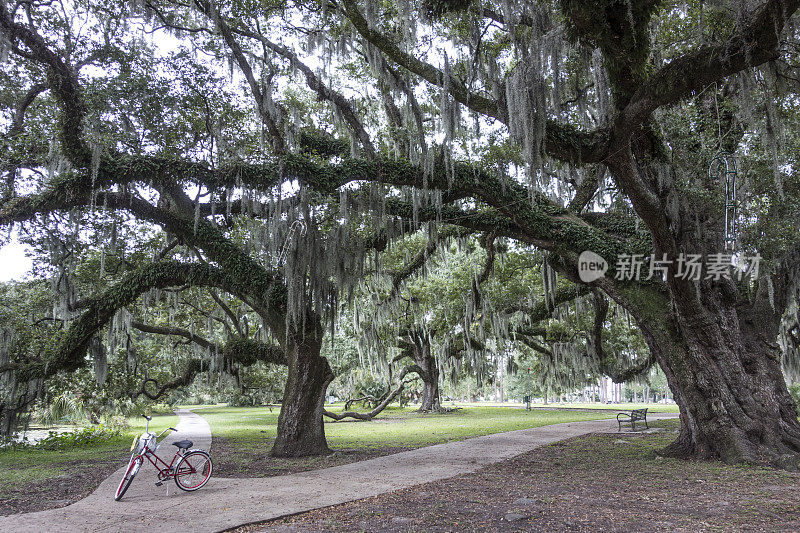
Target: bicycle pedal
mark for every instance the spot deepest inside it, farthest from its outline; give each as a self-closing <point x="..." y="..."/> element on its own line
<point x="159" y="483"/>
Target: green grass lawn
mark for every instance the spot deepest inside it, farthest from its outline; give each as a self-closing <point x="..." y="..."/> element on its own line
<point x="397" y="427"/>
<point x="20" y="467"/>
<point x="651" y="407"/>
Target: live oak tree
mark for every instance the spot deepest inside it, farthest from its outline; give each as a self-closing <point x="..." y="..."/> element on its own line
<point x="144" y="171"/>
<point x="567" y="126"/>
<point x="413" y="312"/>
<point x="467" y="307"/>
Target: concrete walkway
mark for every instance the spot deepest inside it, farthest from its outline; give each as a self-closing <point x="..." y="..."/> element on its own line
<point x="224" y="503"/>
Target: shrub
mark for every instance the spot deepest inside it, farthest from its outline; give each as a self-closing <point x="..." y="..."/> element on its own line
<point x="242" y="399"/>
<point x="87" y="436"/>
<point x="794" y="390"/>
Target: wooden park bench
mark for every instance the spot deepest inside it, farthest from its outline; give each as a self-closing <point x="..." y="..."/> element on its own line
<point x="633" y="417"/>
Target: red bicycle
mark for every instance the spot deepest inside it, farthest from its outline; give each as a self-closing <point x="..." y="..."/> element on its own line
<point x="192" y="471"/>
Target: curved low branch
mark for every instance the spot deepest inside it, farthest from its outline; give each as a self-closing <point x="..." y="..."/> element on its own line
<point x="192" y="368"/>
<point x="68" y="353"/>
<point x="380" y="407"/>
<point x="367" y="398"/>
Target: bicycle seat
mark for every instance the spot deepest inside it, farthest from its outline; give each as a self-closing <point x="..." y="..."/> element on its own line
<point x="183" y="444"/>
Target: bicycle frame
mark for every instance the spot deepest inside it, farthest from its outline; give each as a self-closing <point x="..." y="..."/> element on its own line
<point x="163" y="473"/>
<point x="167" y="471"/>
<point x="146" y="447"/>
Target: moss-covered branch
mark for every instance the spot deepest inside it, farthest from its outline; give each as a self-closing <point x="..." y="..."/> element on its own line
<point x="245" y="352"/>
<point x="378" y="408"/>
<point x="543" y="310"/>
<point x="187" y="375"/>
<point x="562" y="141"/>
<point x="755" y="43"/>
<point x="248" y="351"/>
<point x="621" y="30"/>
<point x="175" y="331"/>
<point x="62" y="80"/>
<point x="323" y="91"/>
<point x="401" y="274"/>
<point x="67" y="351"/>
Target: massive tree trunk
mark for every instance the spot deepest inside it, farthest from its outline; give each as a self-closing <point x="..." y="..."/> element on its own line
<point x="428" y="371"/>
<point x="723" y="368"/>
<point x="739" y="408"/>
<point x="714" y="337"/>
<point x="300" y="424"/>
<point x="430" y="392"/>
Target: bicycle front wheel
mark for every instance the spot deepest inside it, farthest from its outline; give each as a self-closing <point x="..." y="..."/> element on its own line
<point x="133" y="467"/>
<point x="193" y="471"/>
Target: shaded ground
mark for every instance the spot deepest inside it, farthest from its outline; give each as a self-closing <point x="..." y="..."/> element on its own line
<point x="240" y="458"/>
<point x="599" y="481"/>
<point x="76" y="481"/>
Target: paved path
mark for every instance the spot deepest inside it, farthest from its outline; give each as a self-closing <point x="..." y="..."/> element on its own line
<point x="224" y="503"/>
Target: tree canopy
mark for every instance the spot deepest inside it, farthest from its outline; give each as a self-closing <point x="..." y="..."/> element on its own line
<point x="273" y="155"/>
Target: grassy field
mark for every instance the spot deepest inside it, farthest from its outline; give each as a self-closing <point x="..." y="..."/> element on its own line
<point x="395" y="426"/>
<point x="243" y="436"/>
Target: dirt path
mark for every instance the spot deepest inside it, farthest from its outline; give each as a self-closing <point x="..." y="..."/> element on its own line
<point x="226" y="503"/>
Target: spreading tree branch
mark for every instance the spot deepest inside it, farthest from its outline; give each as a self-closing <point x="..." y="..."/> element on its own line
<point x="380" y="407"/>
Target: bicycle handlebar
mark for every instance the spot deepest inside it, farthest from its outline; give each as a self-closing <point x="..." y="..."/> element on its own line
<point x="149" y="418"/>
<point x="173" y="429"/>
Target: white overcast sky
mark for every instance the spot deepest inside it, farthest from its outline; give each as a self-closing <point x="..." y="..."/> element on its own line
<point x="13" y="262"/>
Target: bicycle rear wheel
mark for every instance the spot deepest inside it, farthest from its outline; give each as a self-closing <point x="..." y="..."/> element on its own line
<point x="193" y="471"/>
<point x="133" y="468"/>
